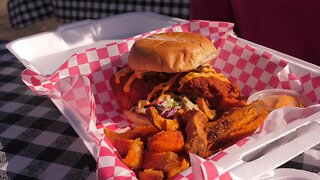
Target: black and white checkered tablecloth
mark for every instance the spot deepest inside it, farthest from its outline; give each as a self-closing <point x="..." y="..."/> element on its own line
<point x="36" y="141"/>
<point x="24" y="12"/>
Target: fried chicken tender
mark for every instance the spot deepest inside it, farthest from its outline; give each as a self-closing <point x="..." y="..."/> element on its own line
<point x="220" y="94"/>
<point x="235" y="125"/>
<point x="196" y="141"/>
<point x="163" y="161"/>
<point x="166" y="141"/>
<point x="151" y="174"/>
<point x="159" y="122"/>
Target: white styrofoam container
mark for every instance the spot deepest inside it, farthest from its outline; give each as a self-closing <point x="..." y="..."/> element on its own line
<point x="45" y="52"/>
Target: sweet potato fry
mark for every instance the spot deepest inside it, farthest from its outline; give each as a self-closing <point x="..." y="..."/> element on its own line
<point x="179" y="113"/>
<point x="150" y="174"/>
<point x="234" y="125"/>
<point x="163" y="161"/>
<point x="205" y="109"/>
<point x="166" y="141"/>
<point x="181" y="165"/>
<point x="122" y="146"/>
<point x="171" y="125"/>
<point x="136" y="132"/>
<point x="159" y="122"/>
<point x="135" y="154"/>
<point x="196" y="137"/>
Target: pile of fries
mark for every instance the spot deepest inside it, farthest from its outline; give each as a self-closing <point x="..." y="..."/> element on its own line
<point x="153" y="151"/>
<point x="159" y="150"/>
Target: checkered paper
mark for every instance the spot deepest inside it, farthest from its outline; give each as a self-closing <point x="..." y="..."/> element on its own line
<point x="251" y="68"/>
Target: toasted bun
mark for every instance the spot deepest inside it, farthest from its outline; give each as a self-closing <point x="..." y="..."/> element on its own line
<point x="171" y="52"/>
<point x="136" y="118"/>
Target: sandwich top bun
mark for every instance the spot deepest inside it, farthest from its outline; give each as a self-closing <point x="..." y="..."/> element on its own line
<point x="171" y="52"/>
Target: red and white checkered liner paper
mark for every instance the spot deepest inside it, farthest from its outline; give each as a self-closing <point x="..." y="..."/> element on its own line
<point x="83" y="83"/>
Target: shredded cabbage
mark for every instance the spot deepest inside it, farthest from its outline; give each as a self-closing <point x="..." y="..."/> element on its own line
<point x="168" y="106"/>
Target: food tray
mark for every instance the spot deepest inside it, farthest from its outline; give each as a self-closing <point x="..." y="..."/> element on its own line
<point x="245" y="159"/>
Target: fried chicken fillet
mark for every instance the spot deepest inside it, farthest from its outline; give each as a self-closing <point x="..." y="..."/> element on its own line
<point x="220" y="94"/>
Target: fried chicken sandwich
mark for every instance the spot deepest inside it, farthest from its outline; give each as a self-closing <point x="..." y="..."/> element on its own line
<point x="172" y="73"/>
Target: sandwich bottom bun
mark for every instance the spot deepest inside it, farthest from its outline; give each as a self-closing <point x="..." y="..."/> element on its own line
<point x="136" y="119"/>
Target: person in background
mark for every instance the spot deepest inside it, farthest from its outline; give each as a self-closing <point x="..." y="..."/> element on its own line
<point x="288" y="26"/>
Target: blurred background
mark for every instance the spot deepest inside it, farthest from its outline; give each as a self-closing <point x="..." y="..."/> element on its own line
<point x="20" y="18"/>
<point x="288" y="26"/>
<point x="8" y="33"/>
